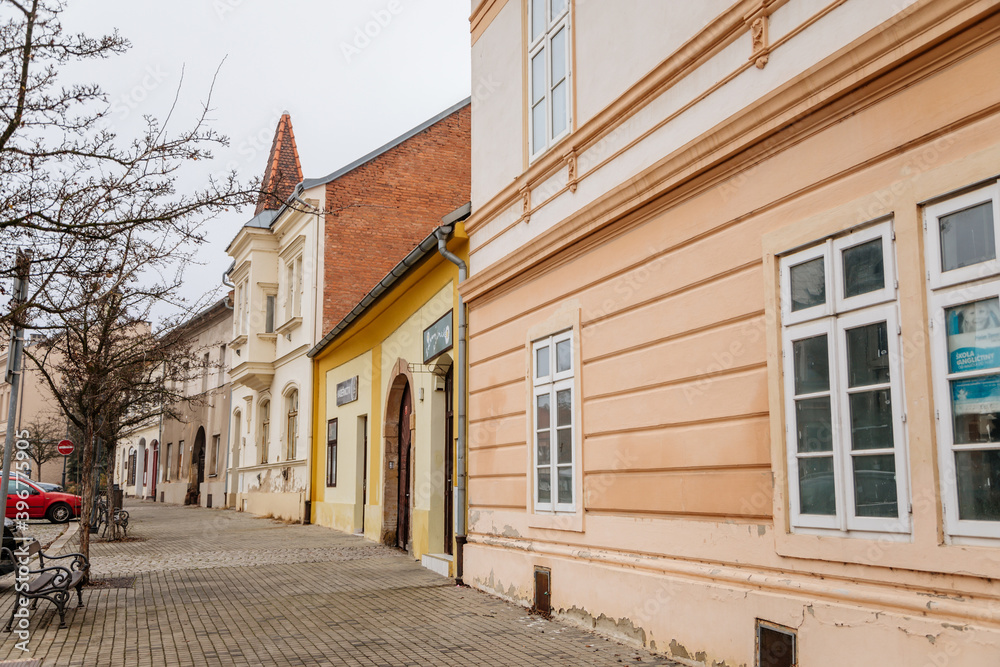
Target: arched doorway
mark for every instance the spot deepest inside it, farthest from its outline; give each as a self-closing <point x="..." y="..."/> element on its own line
<point x="397" y="472"/>
<point x="196" y="477"/>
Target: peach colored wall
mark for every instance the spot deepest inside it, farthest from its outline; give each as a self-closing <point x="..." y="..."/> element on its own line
<point x="683" y="541"/>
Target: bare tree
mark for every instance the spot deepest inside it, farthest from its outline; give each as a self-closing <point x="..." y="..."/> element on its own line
<point x="71" y="189"/>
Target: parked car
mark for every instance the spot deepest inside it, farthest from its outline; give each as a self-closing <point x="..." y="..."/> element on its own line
<point x="56" y="506"/>
<point x="48" y="486"/>
<point x="10" y="536"/>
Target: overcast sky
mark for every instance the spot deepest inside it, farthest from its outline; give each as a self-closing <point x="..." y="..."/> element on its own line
<point x="353" y="74"/>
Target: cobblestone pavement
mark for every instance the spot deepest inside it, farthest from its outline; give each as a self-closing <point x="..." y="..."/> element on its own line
<point x="45" y="532"/>
<point x="215" y="587"/>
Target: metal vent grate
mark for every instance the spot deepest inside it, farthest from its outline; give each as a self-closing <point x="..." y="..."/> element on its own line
<point x="208" y="501"/>
<point x="543" y="591"/>
<point x="113" y="582"/>
<point x="775" y="645"/>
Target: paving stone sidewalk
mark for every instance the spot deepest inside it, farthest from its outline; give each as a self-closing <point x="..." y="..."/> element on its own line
<point x="216" y="587"/>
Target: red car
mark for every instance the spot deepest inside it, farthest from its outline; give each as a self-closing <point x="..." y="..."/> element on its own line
<point x="56" y="506"/>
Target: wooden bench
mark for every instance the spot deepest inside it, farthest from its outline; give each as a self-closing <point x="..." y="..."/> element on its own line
<point x="49" y="582"/>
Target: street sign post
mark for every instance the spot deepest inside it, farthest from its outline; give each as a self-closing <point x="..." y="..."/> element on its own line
<point x="65" y="447"/>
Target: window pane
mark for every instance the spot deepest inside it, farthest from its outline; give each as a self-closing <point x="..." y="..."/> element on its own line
<point x="973" y="336"/>
<point x="542" y="417"/>
<point x="871" y="420"/>
<point x="875" y="486"/>
<point x="565" y="484"/>
<point x="269" y="315"/>
<point x="331" y="430"/>
<point x="560" y="116"/>
<point x="816" y="490"/>
<point x="808" y="282"/>
<point x="563" y="356"/>
<point x="564" y="407"/>
<point x="868" y="355"/>
<point x="558" y="56"/>
<point x="538" y="127"/>
<point x="967" y="237"/>
<point x="975" y="405"/>
<point x="812" y="419"/>
<point x="978" y="485"/>
<point x="537" y="18"/>
<point x="812" y="365"/>
<point x="544" y="446"/>
<point x="557" y="7"/>
<point x="863" y="268"/>
<point x="538" y="77"/>
<point x="542" y="362"/>
<point x="564" y="438"/>
<point x="544" y="484"/>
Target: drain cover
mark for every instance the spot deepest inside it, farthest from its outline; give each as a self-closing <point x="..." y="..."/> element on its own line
<point x="113" y="582"/>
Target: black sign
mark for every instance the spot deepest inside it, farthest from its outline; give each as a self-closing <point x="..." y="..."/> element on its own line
<point x="438" y="337"/>
<point x="347" y="391"/>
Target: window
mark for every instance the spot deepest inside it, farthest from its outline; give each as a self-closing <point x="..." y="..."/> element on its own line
<point x="843" y="385"/>
<point x="180" y="457"/>
<point x="555" y="475"/>
<point x="131" y="467"/>
<point x="265" y="429"/>
<point x="222" y="365"/>
<point x="216" y="441"/>
<point x="293" y="287"/>
<point x="548" y="72"/>
<point x="964" y="277"/>
<point x="167" y="462"/>
<point x="269" y="313"/>
<point x="331" y="453"/>
<point x="205" y="364"/>
<point x="292" y="425"/>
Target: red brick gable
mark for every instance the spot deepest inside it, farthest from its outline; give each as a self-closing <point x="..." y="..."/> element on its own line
<point x="283" y="171"/>
<point x="379" y="211"/>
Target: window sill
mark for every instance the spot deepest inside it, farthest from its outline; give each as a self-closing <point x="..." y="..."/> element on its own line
<point x="239" y="341"/>
<point x="289" y="326"/>
<point x="570" y="522"/>
<point x="267" y="336"/>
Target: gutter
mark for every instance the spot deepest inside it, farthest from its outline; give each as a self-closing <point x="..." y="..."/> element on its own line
<point x="442" y="233"/>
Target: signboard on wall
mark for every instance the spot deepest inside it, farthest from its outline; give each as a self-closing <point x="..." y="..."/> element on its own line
<point x="438" y="337"/>
<point x="347" y="391"/>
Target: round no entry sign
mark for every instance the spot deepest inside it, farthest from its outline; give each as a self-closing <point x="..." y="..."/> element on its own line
<point x="65" y="447"/>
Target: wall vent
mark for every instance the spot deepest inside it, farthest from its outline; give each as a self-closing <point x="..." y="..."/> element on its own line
<point x="161" y="496"/>
<point x="775" y="645"/>
<point x="543" y="591"/>
<point x="208" y="501"/>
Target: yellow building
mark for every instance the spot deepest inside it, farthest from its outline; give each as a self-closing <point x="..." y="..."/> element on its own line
<point x="384" y="397"/>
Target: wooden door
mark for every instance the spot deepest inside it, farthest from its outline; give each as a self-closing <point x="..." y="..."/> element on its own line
<point x="403" y="515"/>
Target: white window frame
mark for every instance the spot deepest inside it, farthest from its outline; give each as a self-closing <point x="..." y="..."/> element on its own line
<point x="968" y="284"/>
<point x="550" y="384"/>
<point x="834" y="318"/>
<point x="553" y="24"/>
<point x="933" y="213"/>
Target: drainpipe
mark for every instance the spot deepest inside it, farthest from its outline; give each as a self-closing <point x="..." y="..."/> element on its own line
<point x="442" y="233"/>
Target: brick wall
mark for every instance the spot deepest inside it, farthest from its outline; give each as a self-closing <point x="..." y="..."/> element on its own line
<point x="379" y="212"/>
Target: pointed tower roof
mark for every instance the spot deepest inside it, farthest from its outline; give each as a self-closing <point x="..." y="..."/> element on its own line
<point x="283" y="171"/>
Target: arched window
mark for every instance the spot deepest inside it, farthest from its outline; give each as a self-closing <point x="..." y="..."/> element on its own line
<point x="131" y="467"/>
<point x="292" y="426"/>
<point x="265" y="429"/>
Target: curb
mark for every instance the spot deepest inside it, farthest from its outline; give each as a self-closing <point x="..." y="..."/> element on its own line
<point x="61" y="541"/>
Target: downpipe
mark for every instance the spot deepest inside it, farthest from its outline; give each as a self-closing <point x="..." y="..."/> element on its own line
<point x="442" y="234"/>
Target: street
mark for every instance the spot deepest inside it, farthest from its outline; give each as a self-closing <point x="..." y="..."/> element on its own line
<point x="214" y="587"/>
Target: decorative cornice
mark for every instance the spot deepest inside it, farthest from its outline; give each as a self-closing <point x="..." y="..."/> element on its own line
<point x="924" y="26"/>
<point x="483" y="15"/>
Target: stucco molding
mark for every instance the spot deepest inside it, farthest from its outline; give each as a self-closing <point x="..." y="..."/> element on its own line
<point x="794" y="112"/>
<point x="483" y="15"/>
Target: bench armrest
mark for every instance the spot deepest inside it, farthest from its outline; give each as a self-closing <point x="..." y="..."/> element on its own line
<point x="79" y="564"/>
<point x="61" y="578"/>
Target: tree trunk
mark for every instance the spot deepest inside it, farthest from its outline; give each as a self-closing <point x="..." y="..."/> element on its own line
<point x="87" y="492"/>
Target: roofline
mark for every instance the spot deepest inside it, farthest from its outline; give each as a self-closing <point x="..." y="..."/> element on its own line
<point x="313" y="182"/>
<point x="203" y="314"/>
<point x="425" y="249"/>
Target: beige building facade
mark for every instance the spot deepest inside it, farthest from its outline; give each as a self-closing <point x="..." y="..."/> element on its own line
<point x="191" y="448"/>
<point x="735" y="325"/>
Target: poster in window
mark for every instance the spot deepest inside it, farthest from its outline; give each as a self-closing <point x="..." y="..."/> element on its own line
<point x="976" y="396"/>
<point x="974" y="336"/>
